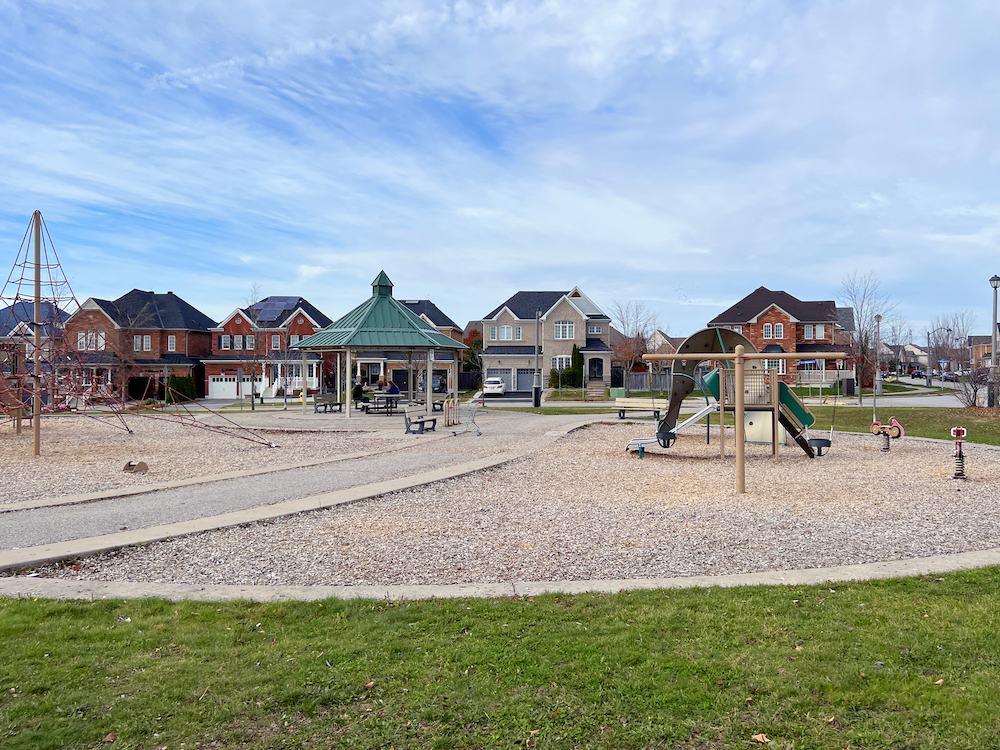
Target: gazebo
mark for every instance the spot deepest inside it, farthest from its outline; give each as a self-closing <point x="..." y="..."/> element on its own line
<point x="382" y="323"/>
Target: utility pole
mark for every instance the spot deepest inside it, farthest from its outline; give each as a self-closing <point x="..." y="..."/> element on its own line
<point x="991" y="389"/>
<point x="536" y="389"/>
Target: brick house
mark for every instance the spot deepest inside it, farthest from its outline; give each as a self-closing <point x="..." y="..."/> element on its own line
<point x="775" y="321"/>
<point x="132" y="340"/>
<point x="253" y="341"/>
<point x="566" y="319"/>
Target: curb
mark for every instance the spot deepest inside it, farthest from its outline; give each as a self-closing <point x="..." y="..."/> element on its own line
<point x="57" y="588"/>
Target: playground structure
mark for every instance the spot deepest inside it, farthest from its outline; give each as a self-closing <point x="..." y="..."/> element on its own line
<point x="959" y="433"/>
<point x="892" y="430"/>
<point x="734" y="391"/>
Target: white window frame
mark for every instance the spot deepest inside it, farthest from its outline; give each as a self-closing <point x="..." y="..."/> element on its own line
<point x="147" y="343"/>
<point x="564" y="329"/>
<point x="237" y="341"/>
<point x="100" y="341"/>
<point x="517" y="333"/>
<point x="562" y="362"/>
<point x="81" y="340"/>
<point x="766" y="331"/>
<point x="779" y="330"/>
<point x="738" y="329"/>
<point x="493" y="333"/>
<point x="807" y="332"/>
<point x="226" y="343"/>
<point x="595" y="329"/>
<point x="171" y="343"/>
<point x="276" y="341"/>
<point x="293" y="339"/>
<point x="137" y="343"/>
<point x="250" y="342"/>
<point x="820" y="331"/>
<point x="506" y="333"/>
<point x="777" y="364"/>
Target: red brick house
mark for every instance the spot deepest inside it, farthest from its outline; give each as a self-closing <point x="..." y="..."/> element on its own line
<point x="132" y="340"/>
<point x="778" y="322"/>
<point x="252" y="342"/>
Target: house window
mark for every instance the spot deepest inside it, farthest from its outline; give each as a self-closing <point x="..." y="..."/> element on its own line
<point x="171" y="343"/>
<point x="807" y="331"/>
<point x="311" y="366"/>
<point x="147" y="343"/>
<point x="562" y="362"/>
<point x="776" y="364"/>
<point x="820" y="331"/>
<point x="767" y="330"/>
<point x="738" y="329"/>
<point x="81" y="340"/>
<point x="506" y="333"/>
<point x="100" y="341"/>
<point x="293" y="339"/>
<point x="237" y="341"/>
<point x="517" y="333"/>
<point x="594" y="329"/>
<point x="564" y="329"/>
<point x="276" y="341"/>
<point x="493" y="333"/>
<point x="252" y="343"/>
<point x="224" y="342"/>
<point x="137" y="343"/>
<point x="779" y="330"/>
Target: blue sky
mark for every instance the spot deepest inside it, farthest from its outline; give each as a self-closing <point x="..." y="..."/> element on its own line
<point x="679" y="153"/>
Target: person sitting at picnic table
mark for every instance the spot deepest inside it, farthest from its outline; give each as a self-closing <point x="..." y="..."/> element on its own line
<point x="358" y="394"/>
<point x="393" y="389"/>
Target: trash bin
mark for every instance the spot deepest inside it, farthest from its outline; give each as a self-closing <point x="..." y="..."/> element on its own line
<point x="849" y="387"/>
<point x="617" y="392"/>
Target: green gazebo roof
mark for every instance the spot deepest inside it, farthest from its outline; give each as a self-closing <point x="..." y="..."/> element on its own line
<point x="380" y="322"/>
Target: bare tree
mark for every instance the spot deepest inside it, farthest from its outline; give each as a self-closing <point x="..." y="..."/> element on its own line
<point x="951" y="336"/>
<point x="254" y="352"/>
<point x="865" y="295"/>
<point x="636" y="323"/>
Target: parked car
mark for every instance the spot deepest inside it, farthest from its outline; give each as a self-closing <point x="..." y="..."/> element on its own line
<point x="494" y="387"/>
<point x="438" y="385"/>
<point x="918" y="374"/>
<point x="950" y="377"/>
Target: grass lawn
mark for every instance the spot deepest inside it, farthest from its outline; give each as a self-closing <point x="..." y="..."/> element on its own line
<point x="909" y="663"/>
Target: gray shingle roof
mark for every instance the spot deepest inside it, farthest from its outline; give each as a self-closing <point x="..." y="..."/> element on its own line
<point x="272" y="312"/>
<point x="22" y="311"/>
<point x="762" y="298"/>
<point x="595" y="345"/>
<point x="508" y="350"/>
<point x="425" y="307"/>
<point x="139" y="309"/>
<point x="525" y="304"/>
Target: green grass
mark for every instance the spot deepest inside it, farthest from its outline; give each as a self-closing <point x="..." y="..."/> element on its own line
<point x="918" y="421"/>
<point x="844" y="665"/>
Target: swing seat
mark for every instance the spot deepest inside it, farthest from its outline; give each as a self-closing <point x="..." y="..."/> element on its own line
<point x="819" y="444"/>
<point x="665" y="434"/>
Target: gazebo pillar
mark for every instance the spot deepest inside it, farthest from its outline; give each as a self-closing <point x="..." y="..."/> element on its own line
<point x="305" y="381"/>
<point x="347" y="380"/>
<point x="429" y="381"/>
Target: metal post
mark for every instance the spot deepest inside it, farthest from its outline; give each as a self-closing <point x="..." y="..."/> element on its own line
<point x="305" y="388"/>
<point x="775" y="406"/>
<point x="876" y="380"/>
<point x="722" y="412"/>
<point x="428" y="380"/>
<point x="36" y="421"/>
<point x="536" y="388"/>
<point x="991" y="397"/>
<point x="928" y="374"/>
<point x="741" y="483"/>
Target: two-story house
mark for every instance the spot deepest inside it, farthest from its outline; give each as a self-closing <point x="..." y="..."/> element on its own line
<point x="775" y="321"/>
<point x="564" y="319"/>
<point x="250" y="354"/>
<point x="133" y="340"/>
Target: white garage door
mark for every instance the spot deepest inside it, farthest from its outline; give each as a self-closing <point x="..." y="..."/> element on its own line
<point x="222" y="386"/>
<point x="525" y="379"/>
<point x="504" y="373"/>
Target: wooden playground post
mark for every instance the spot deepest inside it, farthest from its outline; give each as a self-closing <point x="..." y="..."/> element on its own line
<point x="775" y="424"/>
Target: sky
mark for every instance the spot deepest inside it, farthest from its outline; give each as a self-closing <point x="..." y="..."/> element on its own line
<point x="675" y="153"/>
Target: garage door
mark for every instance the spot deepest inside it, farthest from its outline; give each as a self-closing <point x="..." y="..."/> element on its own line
<point x="504" y="373"/>
<point x="222" y="386"/>
<point x="525" y="379"/>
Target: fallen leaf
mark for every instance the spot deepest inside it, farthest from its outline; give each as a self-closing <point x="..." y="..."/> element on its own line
<point x="831" y="720"/>
<point x="761" y="738"/>
<point x="370" y="685"/>
<point x="798" y="648"/>
<point x="749" y="700"/>
<point x="939" y="682"/>
<point x="110" y="738"/>
<point x="534" y="732"/>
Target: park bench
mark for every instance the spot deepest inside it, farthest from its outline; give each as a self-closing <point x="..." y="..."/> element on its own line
<point x="417" y="420"/>
<point x="655" y="405"/>
<point x="327" y="401"/>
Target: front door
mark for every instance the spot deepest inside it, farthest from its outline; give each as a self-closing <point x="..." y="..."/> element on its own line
<point x="596" y="371"/>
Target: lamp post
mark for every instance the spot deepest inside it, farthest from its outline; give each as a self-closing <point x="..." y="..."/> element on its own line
<point x="877" y="380"/>
<point x="930" y="359"/>
<point x="536" y="388"/>
<point x="991" y="389"/>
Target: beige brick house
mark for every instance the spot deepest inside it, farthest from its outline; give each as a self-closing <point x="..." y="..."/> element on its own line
<point x="565" y="319"/>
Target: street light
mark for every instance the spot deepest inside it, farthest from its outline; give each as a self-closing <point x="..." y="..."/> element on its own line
<point x="877" y="380"/>
<point x="930" y="366"/>
<point x="991" y="389"/>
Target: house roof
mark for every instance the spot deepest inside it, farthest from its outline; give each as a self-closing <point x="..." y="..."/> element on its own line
<point x="437" y="318"/>
<point x="759" y="300"/>
<point x="139" y="309"/>
<point x="773" y="349"/>
<point x="23" y="311"/>
<point x="845" y="318"/>
<point x="595" y="345"/>
<point x="807" y="348"/>
<point x="523" y="305"/>
<point x="508" y="351"/>
<point x="274" y="311"/>
<point x="380" y="322"/>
